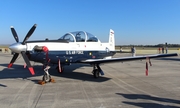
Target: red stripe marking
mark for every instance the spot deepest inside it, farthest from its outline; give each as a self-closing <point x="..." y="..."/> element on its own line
<point x="146" y="68"/>
<point x="10" y="65"/>
<point x="25" y="65"/>
<point x="31" y="70"/>
<point x="59" y="63"/>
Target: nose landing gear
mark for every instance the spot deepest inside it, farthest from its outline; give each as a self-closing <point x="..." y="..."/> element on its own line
<point x="46" y="77"/>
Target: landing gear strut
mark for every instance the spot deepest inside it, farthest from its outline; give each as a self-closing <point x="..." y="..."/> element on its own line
<point x="97" y="70"/>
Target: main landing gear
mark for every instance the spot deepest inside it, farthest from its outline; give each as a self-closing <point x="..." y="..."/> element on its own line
<point x="97" y="71"/>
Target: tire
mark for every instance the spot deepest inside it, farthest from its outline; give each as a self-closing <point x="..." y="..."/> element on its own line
<point x="46" y="78"/>
<point x="96" y="73"/>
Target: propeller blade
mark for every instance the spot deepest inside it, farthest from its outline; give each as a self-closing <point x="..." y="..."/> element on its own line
<point x="13" y="60"/>
<point x="27" y="62"/>
<point x="14" y="34"/>
<point x="29" y="33"/>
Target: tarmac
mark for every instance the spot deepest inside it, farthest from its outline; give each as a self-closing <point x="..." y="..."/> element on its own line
<point x="124" y="85"/>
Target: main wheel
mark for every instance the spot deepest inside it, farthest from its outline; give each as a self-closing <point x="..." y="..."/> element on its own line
<point x="46" y="78"/>
<point x="96" y="73"/>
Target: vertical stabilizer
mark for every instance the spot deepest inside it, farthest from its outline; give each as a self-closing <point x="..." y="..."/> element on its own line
<point x="111" y="40"/>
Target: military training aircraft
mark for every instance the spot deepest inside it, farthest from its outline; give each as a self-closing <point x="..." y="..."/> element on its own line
<point x="73" y="47"/>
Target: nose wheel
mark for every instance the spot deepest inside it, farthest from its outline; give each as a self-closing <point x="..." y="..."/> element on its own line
<point x="46" y="77"/>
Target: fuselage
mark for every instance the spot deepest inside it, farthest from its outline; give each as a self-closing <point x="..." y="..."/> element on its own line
<point x="68" y="52"/>
<point x="70" y="48"/>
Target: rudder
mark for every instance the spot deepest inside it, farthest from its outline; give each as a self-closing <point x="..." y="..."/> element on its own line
<point x="111" y="40"/>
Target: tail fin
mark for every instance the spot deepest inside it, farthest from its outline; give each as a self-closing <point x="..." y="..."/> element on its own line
<point x="111" y="40"/>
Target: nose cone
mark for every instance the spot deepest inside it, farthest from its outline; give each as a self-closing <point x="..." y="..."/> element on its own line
<point x="17" y="47"/>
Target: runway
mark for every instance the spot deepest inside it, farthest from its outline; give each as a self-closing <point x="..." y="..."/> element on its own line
<point x="124" y="85"/>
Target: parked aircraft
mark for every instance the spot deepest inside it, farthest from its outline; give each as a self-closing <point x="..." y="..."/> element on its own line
<point x="73" y="47"/>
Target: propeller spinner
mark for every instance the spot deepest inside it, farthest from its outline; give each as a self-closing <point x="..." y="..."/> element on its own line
<point x="20" y="47"/>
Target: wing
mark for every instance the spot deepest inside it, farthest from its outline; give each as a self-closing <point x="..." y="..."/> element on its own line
<point x="123" y="59"/>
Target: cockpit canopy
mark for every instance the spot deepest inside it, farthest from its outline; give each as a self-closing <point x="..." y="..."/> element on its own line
<point x="79" y="36"/>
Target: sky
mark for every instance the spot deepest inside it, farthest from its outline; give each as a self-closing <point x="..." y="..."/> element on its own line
<point x="135" y="22"/>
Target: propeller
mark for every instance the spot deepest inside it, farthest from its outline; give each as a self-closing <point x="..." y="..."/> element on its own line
<point x="21" y="47"/>
<point x="14" y="34"/>
<point x="29" y="33"/>
<point x="13" y="60"/>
